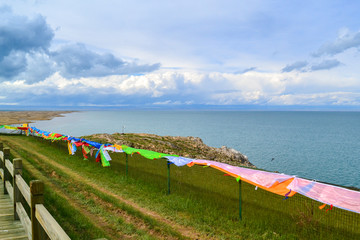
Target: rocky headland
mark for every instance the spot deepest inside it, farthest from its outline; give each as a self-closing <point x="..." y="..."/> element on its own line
<point x="190" y="147"/>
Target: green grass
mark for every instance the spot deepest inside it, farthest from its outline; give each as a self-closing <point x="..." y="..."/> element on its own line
<point x="76" y="224"/>
<point x="202" y="198"/>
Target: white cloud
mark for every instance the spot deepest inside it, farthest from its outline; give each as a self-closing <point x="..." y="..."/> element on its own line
<point x="183" y="88"/>
<point x="318" y="99"/>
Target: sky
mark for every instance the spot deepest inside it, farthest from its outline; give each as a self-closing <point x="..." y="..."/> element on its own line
<point x="162" y="54"/>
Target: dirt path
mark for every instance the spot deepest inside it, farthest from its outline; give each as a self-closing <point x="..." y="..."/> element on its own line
<point x="185" y="231"/>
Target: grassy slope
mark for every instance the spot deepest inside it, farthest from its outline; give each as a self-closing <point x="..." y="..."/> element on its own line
<point x="90" y="201"/>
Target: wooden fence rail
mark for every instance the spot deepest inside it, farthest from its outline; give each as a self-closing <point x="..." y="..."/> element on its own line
<point x="40" y="220"/>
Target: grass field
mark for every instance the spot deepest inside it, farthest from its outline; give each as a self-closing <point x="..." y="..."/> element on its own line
<point x="90" y="201"/>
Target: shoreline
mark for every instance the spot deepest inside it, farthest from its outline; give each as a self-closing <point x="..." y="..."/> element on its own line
<point x="18" y="117"/>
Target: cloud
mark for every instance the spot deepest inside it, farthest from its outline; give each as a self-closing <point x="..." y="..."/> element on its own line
<point x="156" y="88"/>
<point x="318" y="99"/>
<point x="22" y="34"/>
<point x="25" y="53"/>
<point x="300" y="65"/>
<point x="172" y="88"/>
<point x="20" y="37"/>
<point x="247" y="70"/>
<point x="77" y="61"/>
<point x="39" y="67"/>
<point x="325" y="65"/>
<point x="341" y="44"/>
<point x="12" y="64"/>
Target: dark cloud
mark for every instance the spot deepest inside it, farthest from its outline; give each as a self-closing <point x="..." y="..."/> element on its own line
<point x="25" y="54"/>
<point x="340" y="45"/>
<point x="326" y="65"/>
<point x="298" y="66"/>
<point x="22" y="34"/>
<point x="12" y="64"/>
<point x="77" y="61"/>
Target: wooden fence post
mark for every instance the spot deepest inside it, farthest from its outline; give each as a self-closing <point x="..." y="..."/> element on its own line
<point x="17" y="164"/>
<point x="37" y="197"/>
<point x="7" y="175"/>
<point x="2" y="164"/>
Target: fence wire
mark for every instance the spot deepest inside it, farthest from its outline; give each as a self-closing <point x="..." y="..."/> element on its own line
<point x="212" y="190"/>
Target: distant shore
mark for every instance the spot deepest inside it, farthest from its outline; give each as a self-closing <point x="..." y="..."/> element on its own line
<point x="17" y="117"/>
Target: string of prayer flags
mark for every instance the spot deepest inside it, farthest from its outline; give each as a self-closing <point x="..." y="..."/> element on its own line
<point x="278" y="183"/>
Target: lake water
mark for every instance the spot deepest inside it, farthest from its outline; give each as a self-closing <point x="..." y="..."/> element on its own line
<point x="324" y="146"/>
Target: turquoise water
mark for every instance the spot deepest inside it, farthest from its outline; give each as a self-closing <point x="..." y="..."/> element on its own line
<point x="324" y="146"/>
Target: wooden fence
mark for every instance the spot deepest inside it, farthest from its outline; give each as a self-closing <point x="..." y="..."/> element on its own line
<point x="39" y="224"/>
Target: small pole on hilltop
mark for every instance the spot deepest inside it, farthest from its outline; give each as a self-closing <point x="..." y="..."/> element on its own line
<point x="123" y="129"/>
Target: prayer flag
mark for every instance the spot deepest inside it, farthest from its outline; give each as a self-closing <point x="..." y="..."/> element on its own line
<point x="322" y="206"/>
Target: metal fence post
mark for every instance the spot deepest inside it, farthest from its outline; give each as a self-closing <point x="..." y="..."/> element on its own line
<point x="37" y="197"/>
<point x="17" y="163"/>
<point x="126" y="167"/>
<point x="240" y="209"/>
<point x="168" y="173"/>
<point x="7" y="176"/>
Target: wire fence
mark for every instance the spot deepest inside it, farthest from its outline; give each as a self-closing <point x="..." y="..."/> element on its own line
<point x="297" y="213"/>
<point x="211" y="189"/>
